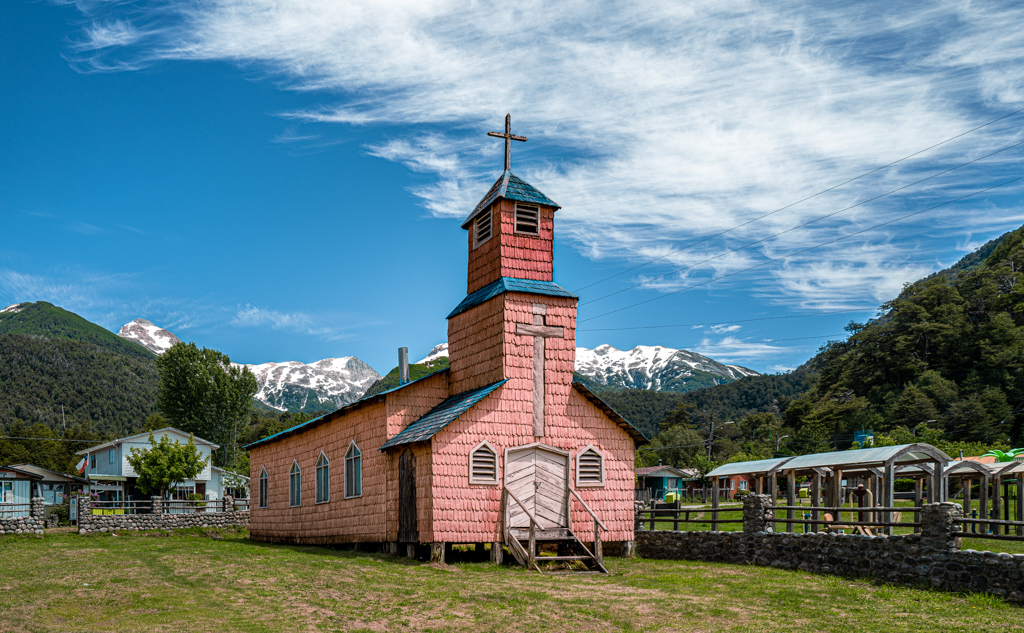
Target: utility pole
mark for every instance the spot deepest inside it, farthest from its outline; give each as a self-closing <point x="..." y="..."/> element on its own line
<point x="711" y="435"/>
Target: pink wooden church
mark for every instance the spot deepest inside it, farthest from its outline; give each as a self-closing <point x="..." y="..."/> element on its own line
<point x="502" y="447"/>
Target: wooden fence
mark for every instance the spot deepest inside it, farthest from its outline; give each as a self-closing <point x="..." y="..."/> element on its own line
<point x="165" y="506"/>
<point x="859" y="519"/>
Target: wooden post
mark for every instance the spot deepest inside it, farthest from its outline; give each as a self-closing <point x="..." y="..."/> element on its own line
<point x="437" y="551"/>
<point x="533" y="544"/>
<point x="935" y="484"/>
<point x="1006" y="504"/>
<point x="772" y="487"/>
<point x="983" y="505"/>
<point x="497" y="553"/>
<point x="597" y="542"/>
<point x="758" y="484"/>
<point x="997" y="499"/>
<point x="815" y="500"/>
<point x="968" y="483"/>
<point x="791" y="499"/>
<point x="714" y="506"/>
<point x="918" y="497"/>
<point x="889" y="497"/>
<point x="1020" y="505"/>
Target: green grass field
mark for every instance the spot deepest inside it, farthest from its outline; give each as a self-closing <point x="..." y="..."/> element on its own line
<point x="220" y="581"/>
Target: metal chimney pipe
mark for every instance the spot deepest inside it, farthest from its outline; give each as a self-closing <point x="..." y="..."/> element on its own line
<point x="403" y="365"/>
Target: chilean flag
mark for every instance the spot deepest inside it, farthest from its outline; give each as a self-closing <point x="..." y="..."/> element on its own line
<point x="81" y="465"/>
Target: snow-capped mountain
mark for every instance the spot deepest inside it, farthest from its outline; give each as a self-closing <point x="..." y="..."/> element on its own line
<point x="326" y="384"/>
<point x="152" y="337"/>
<point x="654" y="368"/>
<point x="643" y="367"/>
<point x="289" y="386"/>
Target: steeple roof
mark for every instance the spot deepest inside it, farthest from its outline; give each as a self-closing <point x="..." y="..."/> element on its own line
<point x="510" y="187"/>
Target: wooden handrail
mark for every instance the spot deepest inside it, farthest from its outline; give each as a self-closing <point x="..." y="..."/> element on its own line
<point x="533" y="519"/>
<point x="587" y="508"/>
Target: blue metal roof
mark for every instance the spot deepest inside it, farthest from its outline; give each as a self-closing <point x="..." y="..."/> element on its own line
<point x="510" y="187"/>
<point x="339" y="412"/>
<point x="441" y="416"/>
<point x="511" y="284"/>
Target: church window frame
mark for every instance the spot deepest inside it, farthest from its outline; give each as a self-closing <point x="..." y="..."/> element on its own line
<point x="526" y="220"/>
<point x="323" y="479"/>
<point x="590" y="469"/>
<point x="483" y="228"/>
<point x="353" y="471"/>
<point x="263" y="495"/>
<point x="483" y="465"/>
<point x="295" y="485"/>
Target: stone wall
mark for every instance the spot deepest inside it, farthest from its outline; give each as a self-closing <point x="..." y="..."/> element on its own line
<point x="931" y="558"/>
<point x="89" y="523"/>
<point x="32" y="524"/>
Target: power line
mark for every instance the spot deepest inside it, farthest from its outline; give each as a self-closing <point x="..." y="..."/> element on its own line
<point x="823" y="191"/>
<point x="804" y="250"/>
<point x="48" y="439"/>
<point x="800" y="226"/>
<point x="771" y="318"/>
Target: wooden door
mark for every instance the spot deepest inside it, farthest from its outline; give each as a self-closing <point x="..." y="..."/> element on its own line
<point x="538" y="475"/>
<point x="408" y="529"/>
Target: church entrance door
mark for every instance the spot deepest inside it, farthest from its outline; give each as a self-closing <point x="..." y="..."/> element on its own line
<point x="538" y="476"/>
<point x="408" y="529"/>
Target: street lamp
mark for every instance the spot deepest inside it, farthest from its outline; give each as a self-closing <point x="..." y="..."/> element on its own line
<point x="778" y="442"/>
<point x="711" y="435"/>
<point x="914" y="432"/>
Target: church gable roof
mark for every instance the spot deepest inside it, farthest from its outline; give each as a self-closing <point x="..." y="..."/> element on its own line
<point x="441" y="416"/>
<point x="510" y="187"/>
<point x="511" y="284"/>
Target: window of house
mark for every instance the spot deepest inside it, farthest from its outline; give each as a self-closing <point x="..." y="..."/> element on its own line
<point x="590" y="467"/>
<point x="527" y="220"/>
<point x="295" y="485"/>
<point x="353" y="472"/>
<point x="264" y="494"/>
<point x="92" y="461"/>
<point x="110" y="456"/>
<point x="323" y="479"/>
<point x="743" y="485"/>
<point x="482" y="229"/>
<point x="483" y="464"/>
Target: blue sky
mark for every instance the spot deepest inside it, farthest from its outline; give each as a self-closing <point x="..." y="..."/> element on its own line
<point x="285" y="181"/>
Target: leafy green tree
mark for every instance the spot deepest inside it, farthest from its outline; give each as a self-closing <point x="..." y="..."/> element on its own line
<point x="165" y="463"/>
<point x="201" y="392"/>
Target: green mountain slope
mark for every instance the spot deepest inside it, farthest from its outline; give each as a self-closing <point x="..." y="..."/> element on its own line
<point x="45" y="319"/>
<point x="390" y="380"/>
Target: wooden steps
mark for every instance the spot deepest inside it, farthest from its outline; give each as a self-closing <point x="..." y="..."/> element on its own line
<point x="518" y="542"/>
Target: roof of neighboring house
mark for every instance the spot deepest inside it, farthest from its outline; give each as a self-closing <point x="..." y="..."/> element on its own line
<point x="340" y="412"/>
<point x="441" y="416"/>
<point x="224" y="470"/>
<point x="145" y="434"/>
<point x="511" y="284"/>
<point x="510" y="187"/>
<point x="49" y="475"/>
<point x="22" y="472"/>
<point x="638" y="437"/>
<point x="671" y="471"/>
<point x="846" y="460"/>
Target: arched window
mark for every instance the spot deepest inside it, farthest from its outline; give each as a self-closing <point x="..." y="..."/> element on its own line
<point x="590" y="467"/>
<point x="264" y="493"/>
<point x="483" y="464"/>
<point x="353" y="472"/>
<point x="323" y="479"/>
<point x="295" y="486"/>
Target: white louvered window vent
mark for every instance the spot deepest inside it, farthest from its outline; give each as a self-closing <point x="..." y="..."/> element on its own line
<point x="482" y="229"/>
<point x="483" y="464"/>
<point x="590" y="467"/>
<point x="527" y="220"/>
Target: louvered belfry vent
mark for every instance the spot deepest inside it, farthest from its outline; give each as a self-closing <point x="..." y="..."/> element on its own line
<point x="589" y="468"/>
<point x="483" y="465"/>
<point x="527" y="219"/>
<point x="482" y="229"/>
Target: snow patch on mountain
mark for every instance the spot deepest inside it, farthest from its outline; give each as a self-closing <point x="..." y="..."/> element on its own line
<point x="650" y="367"/>
<point x="439" y="351"/>
<point x="327" y="383"/>
<point x="152" y="337"/>
<point x="13" y="309"/>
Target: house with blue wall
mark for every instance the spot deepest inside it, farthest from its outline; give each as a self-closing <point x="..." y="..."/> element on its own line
<point x="662" y="479"/>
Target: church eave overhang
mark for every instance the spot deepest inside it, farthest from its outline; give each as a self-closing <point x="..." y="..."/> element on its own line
<point x="441" y="416"/>
<point x="510" y="187"/>
<point x="511" y="284"/>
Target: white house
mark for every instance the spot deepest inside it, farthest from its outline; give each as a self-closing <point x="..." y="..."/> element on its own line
<point x="112" y="477"/>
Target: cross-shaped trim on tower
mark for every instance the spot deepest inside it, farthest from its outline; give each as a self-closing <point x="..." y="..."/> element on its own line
<point x="539" y="331"/>
<point x="509" y="137"/>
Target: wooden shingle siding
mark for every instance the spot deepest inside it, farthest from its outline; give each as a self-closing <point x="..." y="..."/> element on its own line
<point x="475" y="346"/>
<point x="511" y="254"/>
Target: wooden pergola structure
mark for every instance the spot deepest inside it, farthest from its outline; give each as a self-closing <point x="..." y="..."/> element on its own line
<point x="878" y="466"/>
<point x="994" y="489"/>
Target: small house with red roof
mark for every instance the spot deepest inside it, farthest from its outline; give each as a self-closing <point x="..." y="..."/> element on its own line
<point x="500" y="448"/>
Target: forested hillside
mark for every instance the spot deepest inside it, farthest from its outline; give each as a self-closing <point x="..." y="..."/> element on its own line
<point x="944" y="362"/>
<point x="45" y="319"/>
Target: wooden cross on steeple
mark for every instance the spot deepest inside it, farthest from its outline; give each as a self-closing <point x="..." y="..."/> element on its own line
<point x="509" y="137"/>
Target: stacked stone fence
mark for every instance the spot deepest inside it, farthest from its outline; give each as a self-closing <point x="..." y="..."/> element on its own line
<point x="31" y="524"/>
<point x="931" y="558"/>
<point x="160" y="516"/>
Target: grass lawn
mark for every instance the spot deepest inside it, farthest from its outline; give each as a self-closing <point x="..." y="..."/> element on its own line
<point x="192" y="582"/>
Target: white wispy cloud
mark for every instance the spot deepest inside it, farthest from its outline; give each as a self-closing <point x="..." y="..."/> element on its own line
<point x="301" y="322"/>
<point x="723" y="329"/>
<point x="655" y="125"/>
<point x="730" y="349"/>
